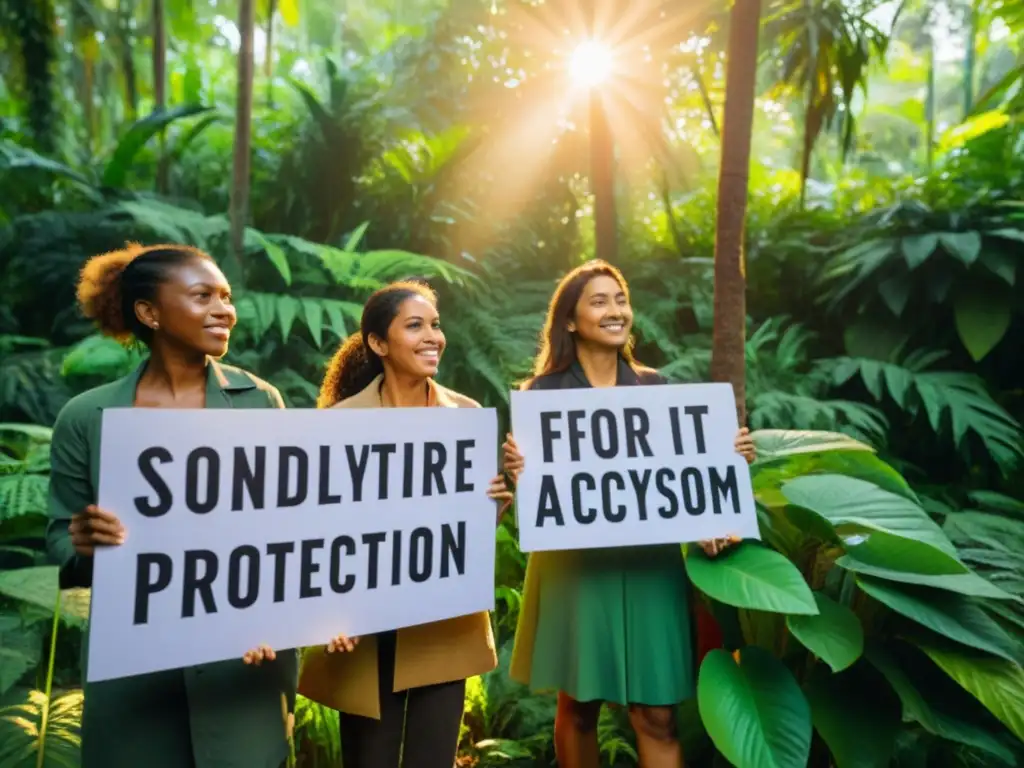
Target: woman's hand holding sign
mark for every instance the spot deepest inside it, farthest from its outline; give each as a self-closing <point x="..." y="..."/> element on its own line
<point x="341" y="643"/>
<point x="500" y="492"/>
<point x="744" y="445"/>
<point x="94" y="527"/>
<point x="513" y="459"/>
<point x="258" y="655"/>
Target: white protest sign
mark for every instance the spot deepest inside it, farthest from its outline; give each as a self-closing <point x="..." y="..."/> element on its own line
<point x="286" y="527"/>
<point x="629" y="466"/>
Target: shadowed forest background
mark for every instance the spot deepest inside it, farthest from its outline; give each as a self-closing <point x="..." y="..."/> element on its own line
<point x="320" y="148"/>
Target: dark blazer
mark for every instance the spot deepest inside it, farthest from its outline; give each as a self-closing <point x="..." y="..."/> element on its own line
<point x="232" y="716"/>
<point x="575" y="378"/>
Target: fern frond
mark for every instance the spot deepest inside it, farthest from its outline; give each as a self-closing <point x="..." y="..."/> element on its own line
<point x="955" y="403"/>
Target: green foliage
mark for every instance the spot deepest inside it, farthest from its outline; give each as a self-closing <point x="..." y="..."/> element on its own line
<point x="22" y="734"/>
<point x="883" y="607"/>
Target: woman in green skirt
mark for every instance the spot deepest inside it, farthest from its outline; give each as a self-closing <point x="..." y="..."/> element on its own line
<point x="605" y="625"/>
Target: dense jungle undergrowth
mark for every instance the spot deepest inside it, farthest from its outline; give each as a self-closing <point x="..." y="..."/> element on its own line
<point x="881" y="620"/>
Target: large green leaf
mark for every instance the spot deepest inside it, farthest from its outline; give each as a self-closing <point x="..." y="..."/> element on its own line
<point x="754" y="711"/>
<point x="841" y="499"/>
<point x="982" y="319"/>
<point x="835" y="635"/>
<point x="882" y="549"/>
<point x="20" y="648"/>
<point x="116" y="172"/>
<point x="929" y="713"/>
<point x="38" y="586"/>
<point x="856" y="714"/>
<point x="957" y="617"/>
<point x="751" y="576"/>
<point x="20" y="730"/>
<point x="968" y="583"/>
<point x="996" y="683"/>
<point x="774" y="444"/>
<point x="965" y="246"/>
<point x="917" y="248"/>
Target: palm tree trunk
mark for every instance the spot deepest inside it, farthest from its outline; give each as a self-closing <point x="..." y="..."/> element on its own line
<point x="268" y="61"/>
<point x="602" y="180"/>
<point x="131" y="91"/>
<point x="243" y="123"/>
<point x="160" y="87"/>
<point x="727" y="353"/>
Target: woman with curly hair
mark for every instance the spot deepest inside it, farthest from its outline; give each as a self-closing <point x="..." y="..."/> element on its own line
<point x="175" y="301"/>
<point x="400" y="694"/>
<point x="605" y="625"/>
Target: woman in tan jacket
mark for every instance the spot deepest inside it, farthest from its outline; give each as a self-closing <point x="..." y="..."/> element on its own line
<point x="414" y="679"/>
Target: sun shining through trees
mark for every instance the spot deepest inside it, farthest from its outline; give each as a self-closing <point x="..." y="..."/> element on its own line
<point x="591" y="63"/>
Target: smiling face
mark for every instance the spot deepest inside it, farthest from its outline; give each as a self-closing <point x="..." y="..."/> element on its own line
<point x="192" y="309"/>
<point x="603" y="316"/>
<point x="415" y="341"/>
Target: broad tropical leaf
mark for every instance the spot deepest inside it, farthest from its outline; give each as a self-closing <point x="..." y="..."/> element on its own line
<point x="929" y="714"/>
<point x="954" y="616"/>
<point x="996" y="683"/>
<point x="835" y="635"/>
<point x="38" y="586"/>
<point x="774" y="444"/>
<point x="751" y="576"/>
<point x="968" y="583"/>
<point x="753" y="710"/>
<point x="856" y="714"/>
<point x="20" y="731"/>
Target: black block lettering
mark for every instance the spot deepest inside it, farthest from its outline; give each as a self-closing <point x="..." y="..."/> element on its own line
<point x="421" y="554"/>
<point x="462" y="465"/>
<point x="280" y="551"/>
<point x="339" y="585"/>
<point x="148" y="583"/>
<point x="308" y="567"/>
<point x="453" y="549"/>
<point x="548" y="505"/>
<point x="692" y="483"/>
<point x="724" y="488"/>
<point x="373" y="541"/>
<point x="195" y="583"/>
<point x="164" y="500"/>
<point x="248" y="479"/>
<point x="212" y="494"/>
<point x="637" y="427"/>
<point x="434" y="458"/>
<point x="236" y="599"/>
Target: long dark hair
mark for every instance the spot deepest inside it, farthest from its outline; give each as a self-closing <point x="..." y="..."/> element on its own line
<point x="557" y="344"/>
<point x="355" y="365"/>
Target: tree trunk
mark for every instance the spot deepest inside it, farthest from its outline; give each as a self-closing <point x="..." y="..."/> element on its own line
<point x="727" y="354"/>
<point x="268" y="56"/>
<point x="160" y="87"/>
<point x="131" y="92"/>
<point x="602" y="180"/>
<point x="243" y="122"/>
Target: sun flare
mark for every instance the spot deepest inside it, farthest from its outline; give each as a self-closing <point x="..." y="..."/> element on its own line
<point x="590" y="64"/>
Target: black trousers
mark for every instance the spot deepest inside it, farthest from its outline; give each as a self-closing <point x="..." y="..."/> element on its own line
<point x="428" y="718"/>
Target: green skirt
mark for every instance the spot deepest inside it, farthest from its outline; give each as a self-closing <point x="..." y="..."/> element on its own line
<point x="607" y="625"/>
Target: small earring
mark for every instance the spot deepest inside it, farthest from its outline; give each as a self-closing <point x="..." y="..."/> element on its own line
<point x="155" y="326"/>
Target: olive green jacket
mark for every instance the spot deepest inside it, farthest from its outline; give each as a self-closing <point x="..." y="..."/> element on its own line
<point x="220" y="715"/>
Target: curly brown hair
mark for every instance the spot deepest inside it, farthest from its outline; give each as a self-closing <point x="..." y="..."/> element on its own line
<point x="110" y="284"/>
<point x="355" y="365"/>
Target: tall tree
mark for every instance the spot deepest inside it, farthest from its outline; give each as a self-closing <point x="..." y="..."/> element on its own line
<point x="160" y="85"/>
<point x="727" y="353"/>
<point x="243" y="133"/>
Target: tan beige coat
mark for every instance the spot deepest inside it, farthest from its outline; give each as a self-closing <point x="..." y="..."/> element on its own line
<point x="426" y="654"/>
